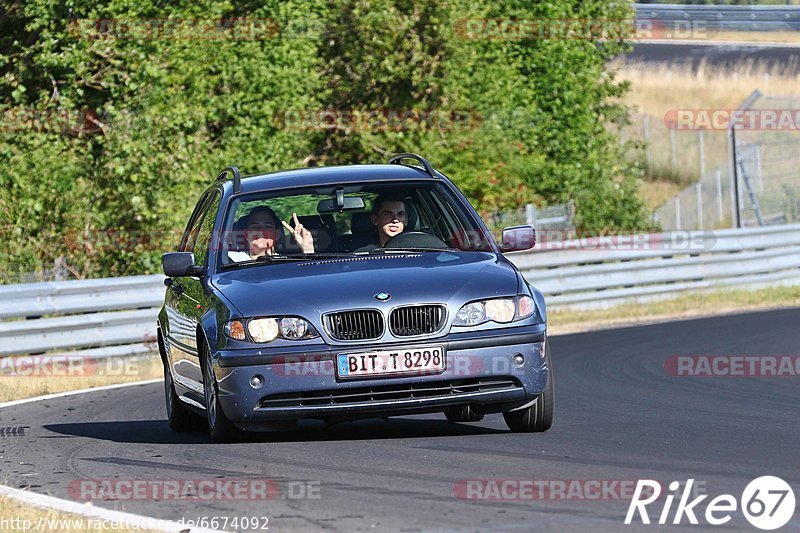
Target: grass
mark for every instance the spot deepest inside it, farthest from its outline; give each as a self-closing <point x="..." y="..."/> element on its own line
<point x="699" y="304"/>
<point x="656" y="192"/>
<point x="656" y="90"/>
<point x="704" y="35"/>
<point x="139" y="369"/>
<point x="50" y="521"/>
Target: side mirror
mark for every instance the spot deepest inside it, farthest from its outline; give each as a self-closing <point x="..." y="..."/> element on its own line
<point x="518" y="238"/>
<point x="179" y="264"/>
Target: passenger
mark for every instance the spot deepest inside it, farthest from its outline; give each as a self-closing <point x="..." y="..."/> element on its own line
<point x="264" y="236"/>
<point x="390" y="216"/>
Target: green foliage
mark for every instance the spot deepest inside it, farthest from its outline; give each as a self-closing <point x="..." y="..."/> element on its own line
<point x="150" y="121"/>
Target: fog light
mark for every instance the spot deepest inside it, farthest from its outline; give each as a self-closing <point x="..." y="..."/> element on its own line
<point x="518" y="359"/>
<point x="256" y="381"/>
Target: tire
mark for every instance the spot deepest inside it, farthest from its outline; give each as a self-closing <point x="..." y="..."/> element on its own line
<point x="180" y="419"/>
<point x="463" y="413"/>
<point x="539" y="416"/>
<point x="219" y="427"/>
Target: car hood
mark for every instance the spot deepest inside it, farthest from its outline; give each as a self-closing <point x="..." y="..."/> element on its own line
<point x="315" y="287"/>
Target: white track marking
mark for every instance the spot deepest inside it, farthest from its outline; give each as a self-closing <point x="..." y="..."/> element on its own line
<point x="124" y="520"/>
<point x="74" y="392"/>
<point x="127" y="520"/>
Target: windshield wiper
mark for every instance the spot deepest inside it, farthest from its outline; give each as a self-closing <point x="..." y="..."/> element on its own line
<point x="267" y="259"/>
<point x="411" y="249"/>
<point x="312" y="257"/>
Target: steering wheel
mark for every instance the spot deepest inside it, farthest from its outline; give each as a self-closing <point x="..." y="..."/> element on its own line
<point x="416" y="239"/>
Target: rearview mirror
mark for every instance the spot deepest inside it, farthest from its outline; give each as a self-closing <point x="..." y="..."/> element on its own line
<point x="348" y="203"/>
<point x="179" y="264"/>
<point x="518" y="238"/>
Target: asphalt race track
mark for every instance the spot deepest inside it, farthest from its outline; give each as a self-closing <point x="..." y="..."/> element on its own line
<point x="786" y="57"/>
<point x="619" y="416"/>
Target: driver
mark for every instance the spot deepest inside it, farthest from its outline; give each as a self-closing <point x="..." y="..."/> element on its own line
<point x="389" y="216"/>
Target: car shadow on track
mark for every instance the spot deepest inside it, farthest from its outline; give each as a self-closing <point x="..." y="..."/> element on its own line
<point x="157" y="431"/>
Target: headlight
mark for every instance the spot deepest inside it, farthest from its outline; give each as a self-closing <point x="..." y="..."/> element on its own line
<point x="263" y="329"/>
<point x="293" y="328"/>
<point x="500" y="310"/>
<point x="471" y="314"/>
<point x="269" y="329"/>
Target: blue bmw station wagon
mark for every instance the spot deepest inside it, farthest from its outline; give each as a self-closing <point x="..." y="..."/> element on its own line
<point x="347" y="292"/>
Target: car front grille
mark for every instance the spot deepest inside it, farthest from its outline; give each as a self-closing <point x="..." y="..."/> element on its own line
<point x="416" y="320"/>
<point x="361" y="324"/>
<point x="407" y="391"/>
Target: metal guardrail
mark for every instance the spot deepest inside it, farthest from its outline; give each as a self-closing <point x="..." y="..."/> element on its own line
<point x="599" y="273"/>
<point x="85" y="316"/>
<point x="116" y="316"/>
<point x="746" y="18"/>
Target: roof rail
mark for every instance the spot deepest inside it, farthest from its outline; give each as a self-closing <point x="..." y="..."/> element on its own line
<point x="397" y="160"/>
<point x="237" y="177"/>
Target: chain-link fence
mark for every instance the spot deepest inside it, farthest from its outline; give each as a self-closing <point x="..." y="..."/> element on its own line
<point x="60" y="272"/>
<point x="768" y="164"/>
<point x="745" y="173"/>
<point x="555" y="217"/>
<point x="704" y="205"/>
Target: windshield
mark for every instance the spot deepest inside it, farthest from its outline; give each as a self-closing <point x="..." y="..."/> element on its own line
<point x="348" y="219"/>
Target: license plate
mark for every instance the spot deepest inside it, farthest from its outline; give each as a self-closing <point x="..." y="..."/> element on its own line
<point x="422" y="360"/>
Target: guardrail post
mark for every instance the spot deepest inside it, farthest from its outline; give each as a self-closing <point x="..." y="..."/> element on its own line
<point x="647" y="142"/>
<point x="758" y="169"/>
<point x="718" y="179"/>
<point x="698" y="193"/>
<point x="530" y="215"/>
<point x="701" y="146"/>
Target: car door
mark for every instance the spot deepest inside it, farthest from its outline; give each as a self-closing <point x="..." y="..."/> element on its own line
<point x="186" y="299"/>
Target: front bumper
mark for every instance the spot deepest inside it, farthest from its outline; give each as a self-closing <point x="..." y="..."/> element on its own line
<point x="479" y="372"/>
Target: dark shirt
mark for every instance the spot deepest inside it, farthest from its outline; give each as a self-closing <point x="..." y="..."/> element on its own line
<point x="368" y="248"/>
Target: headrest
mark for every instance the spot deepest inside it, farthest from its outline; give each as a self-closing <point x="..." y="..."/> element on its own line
<point x="317" y="221"/>
<point x="412" y="216"/>
<point x="361" y="223"/>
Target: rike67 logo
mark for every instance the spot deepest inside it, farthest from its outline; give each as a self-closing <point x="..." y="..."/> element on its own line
<point x="767" y="502"/>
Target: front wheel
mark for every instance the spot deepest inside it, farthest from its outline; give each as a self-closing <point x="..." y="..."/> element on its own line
<point x="219" y="427"/>
<point x="180" y="419"/>
<point x="539" y="416"/>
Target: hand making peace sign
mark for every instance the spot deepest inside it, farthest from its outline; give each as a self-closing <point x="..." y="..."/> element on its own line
<point x="301" y="235"/>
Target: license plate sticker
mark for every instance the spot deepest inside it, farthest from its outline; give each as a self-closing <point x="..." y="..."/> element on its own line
<point x="422" y="360"/>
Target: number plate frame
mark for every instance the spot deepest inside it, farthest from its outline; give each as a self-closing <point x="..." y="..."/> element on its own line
<point x="342" y="357"/>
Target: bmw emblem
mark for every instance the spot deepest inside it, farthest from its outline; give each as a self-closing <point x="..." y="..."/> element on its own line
<point x="383" y="296"/>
